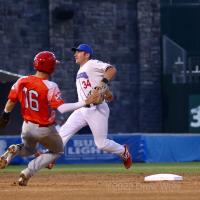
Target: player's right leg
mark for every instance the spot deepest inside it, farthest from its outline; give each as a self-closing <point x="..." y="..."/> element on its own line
<point x="30" y="137"/>
<point x="11" y="152"/>
<point x="51" y="140"/>
<point x="38" y="153"/>
<point x="35" y="165"/>
<point x="73" y="124"/>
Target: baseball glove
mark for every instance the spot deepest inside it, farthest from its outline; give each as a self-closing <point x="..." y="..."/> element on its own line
<point x="4" y="119"/>
<point x="99" y="94"/>
<point x="108" y="96"/>
<point x="95" y="97"/>
<point x="105" y="91"/>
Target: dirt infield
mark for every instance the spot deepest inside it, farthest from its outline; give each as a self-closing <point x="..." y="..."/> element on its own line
<point x="97" y="186"/>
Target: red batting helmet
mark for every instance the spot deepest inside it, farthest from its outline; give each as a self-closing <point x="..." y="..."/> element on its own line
<point x="45" y="61"/>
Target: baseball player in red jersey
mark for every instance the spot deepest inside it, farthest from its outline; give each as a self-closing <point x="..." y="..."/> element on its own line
<point x="38" y="98"/>
<point x="93" y="74"/>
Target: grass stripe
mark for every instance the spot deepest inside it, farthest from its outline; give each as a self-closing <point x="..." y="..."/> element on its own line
<point x="190" y="167"/>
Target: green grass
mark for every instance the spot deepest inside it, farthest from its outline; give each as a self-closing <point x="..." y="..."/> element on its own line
<point x="147" y="168"/>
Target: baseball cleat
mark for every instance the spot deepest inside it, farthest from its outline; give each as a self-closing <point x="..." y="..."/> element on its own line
<point x="126" y="157"/>
<point x="23" y="180"/>
<point x="8" y="155"/>
<point x="3" y="162"/>
<point x="50" y="165"/>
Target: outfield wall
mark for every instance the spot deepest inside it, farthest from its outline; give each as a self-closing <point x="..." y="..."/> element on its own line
<point x="148" y="148"/>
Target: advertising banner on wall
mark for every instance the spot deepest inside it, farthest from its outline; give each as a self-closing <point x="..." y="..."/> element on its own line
<point x="82" y="149"/>
<point x="151" y="148"/>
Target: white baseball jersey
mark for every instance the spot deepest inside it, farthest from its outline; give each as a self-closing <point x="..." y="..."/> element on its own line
<point x="89" y="76"/>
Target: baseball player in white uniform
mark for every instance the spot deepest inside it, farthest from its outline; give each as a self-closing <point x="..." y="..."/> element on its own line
<point x="93" y="73"/>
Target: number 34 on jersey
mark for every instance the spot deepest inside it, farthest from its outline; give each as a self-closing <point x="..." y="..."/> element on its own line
<point x="86" y="84"/>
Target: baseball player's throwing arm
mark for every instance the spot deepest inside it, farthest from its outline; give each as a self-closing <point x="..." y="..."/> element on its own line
<point x="67" y="107"/>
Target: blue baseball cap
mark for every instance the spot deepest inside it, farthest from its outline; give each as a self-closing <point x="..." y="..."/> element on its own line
<point x="83" y="47"/>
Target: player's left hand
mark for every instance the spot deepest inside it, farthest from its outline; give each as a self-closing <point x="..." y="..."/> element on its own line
<point x="108" y="96"/>
<point x="105" y="91"/>
<point x="102" y="87"/>
<point x="96" y="97"/>
<point x="4" y="119"/>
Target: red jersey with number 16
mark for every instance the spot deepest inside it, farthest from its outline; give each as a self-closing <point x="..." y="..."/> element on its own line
<point x="38" y="98"/>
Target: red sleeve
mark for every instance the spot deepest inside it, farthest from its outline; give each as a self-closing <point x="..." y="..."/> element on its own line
<point x="13" y="94"/>
<point x="54" y="97"/>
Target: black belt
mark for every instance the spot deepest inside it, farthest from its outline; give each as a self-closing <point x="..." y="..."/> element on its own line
<point x="90" y="105"/>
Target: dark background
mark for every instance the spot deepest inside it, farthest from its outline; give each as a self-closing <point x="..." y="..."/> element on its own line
<point x="126" y="33"/>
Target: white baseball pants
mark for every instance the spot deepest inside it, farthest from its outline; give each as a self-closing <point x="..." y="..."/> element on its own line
<point x="31" y="135"/>
<point x="97" y="119"/>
